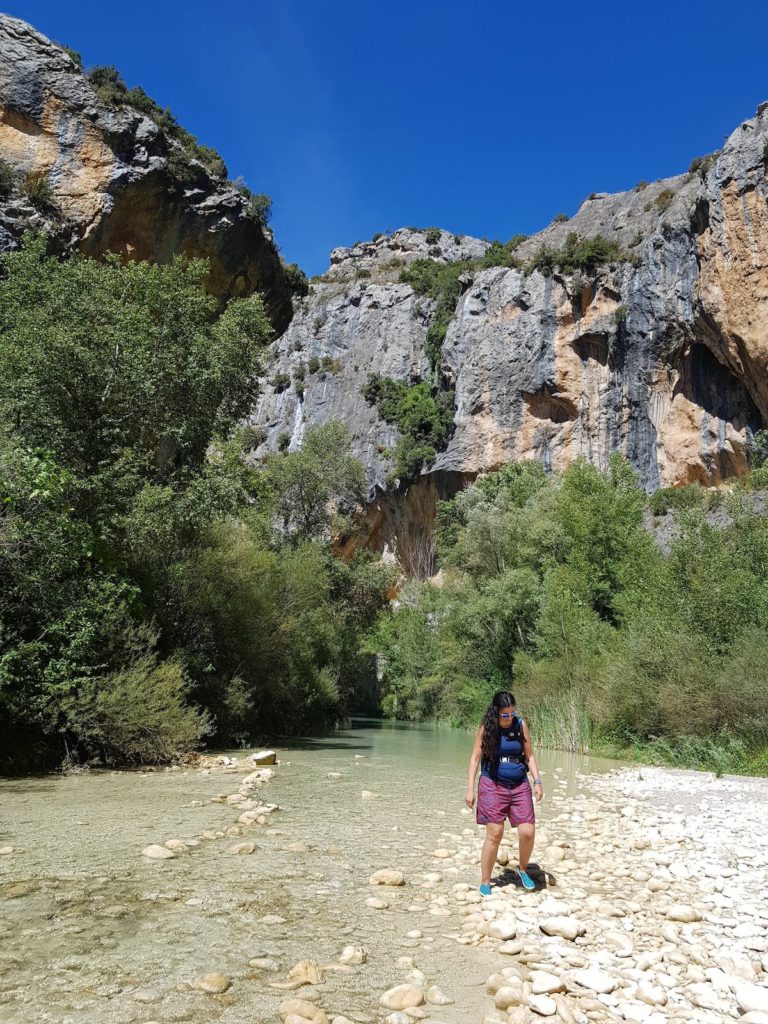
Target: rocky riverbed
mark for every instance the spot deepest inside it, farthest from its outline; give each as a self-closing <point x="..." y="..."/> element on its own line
<point x="282" y="906"/>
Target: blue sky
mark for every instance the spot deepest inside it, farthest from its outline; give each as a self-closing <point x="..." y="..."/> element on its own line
<point x="484" y="118"/>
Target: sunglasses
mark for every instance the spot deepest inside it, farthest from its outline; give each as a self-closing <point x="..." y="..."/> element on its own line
<point x="505" y="715"/>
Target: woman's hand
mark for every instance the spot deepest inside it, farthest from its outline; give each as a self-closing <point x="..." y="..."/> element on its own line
<point x="538" y="792"/>
<point x="469" y="798"/>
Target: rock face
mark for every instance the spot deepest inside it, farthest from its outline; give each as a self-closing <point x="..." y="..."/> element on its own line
<point x="111" y="187"/>
<point x="661" y="356"/>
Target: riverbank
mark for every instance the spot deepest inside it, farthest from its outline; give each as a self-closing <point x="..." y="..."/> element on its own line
<point x="266" y="896"/>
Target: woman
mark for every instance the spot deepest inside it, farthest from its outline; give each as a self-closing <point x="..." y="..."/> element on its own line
<point x="504" y="753"/>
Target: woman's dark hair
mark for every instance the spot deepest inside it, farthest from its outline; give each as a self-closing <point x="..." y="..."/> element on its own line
<point x="490" y="748"/>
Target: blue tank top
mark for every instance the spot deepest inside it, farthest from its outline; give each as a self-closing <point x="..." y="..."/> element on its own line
<point x="510" y="745"/>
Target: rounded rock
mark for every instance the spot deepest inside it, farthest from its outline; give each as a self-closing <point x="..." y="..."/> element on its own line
<point x="353" y="955"/>
<point x="301" y="1009"/>
<point x="401" y="997"/>
<point x="596" y="980"/>
<point x="214" y="983"/>
<point x="683" y="912"/>
<point x="387" y="876"/>
<point x="156" y="852"/>
<point x="544" y="1005"/>
<point x="436" y="997"/>
<point x="242" y="849"/>
<point x="564" y="927"/>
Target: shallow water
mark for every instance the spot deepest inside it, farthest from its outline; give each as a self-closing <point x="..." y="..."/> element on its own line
<point x="90" y="931"/>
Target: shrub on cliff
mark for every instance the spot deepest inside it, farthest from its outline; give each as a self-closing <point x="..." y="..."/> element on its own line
<point x="759" y="449"/>
<point x="6" y="179"/>
<point x="37" y="189"/>
<point x="422" y="416"/>
<point x="296" y="279"/>
<point x="258" y="205"/>
<point x="663" y="199"/>
<point x="585" y="254"/>
<point x="112" y="90"/>
<point x="440" y="282"/>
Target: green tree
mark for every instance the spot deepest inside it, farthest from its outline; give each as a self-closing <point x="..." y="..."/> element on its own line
<point x="308" y="487"/>
<point x="145" y="376"/>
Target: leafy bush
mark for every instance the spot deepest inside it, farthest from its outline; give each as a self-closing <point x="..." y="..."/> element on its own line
<point x="112" y="90"/>
<point x="501" y="255"/>
<point x="560" y="218"/>
<point x="137" y="715"/>
<point x="280" y="381"/>
<point x="758" y="449"/>
<point x="577" y="254"/>
<point x="672" y="499"/>
<point x="7" y="179"/>
<point x="37" y="189"/>
<point x="330" y="365"/>
<point x="252" y="437"/>
<point x="423" y="418"/>
<point x="108" y="85"/>
<point x="184" y="173"/>
<point x="756" y="480"/>
<point x="440" y="282"/>
<point x="74" y="56"/>
<point x="296" y="279"/>
<point x="283" y="440"/>
<point x="620" y="315"/>
<point x="432" y="236"/>
<point x="258" y="205"/>
<point x="663" y="199"/>
<point x="304" y="485"/>
<point x="702" y="164"/>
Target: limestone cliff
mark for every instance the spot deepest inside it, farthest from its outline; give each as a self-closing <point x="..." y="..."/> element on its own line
<point x="108" y="169"/>
<point x="661" y="354"/>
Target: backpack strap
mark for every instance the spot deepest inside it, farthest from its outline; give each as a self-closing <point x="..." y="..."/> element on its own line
<point x="519" y="721"/>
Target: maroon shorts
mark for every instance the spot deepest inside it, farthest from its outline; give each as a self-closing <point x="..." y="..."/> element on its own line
<point x="495" y="802"/>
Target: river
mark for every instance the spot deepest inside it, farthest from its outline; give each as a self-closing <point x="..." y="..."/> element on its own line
<point x="94" y="932"/>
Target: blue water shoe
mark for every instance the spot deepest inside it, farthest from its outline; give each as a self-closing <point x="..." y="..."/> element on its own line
<point x="485" y="889"/>
<point x="525" y="880"/>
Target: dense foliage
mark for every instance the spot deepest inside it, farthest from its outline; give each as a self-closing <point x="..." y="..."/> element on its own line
<point x="422" y="415"/>
<point x="154" y="589"/>
<point x="555" y="587"/>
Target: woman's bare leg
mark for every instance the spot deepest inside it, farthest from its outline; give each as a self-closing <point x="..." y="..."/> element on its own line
<point x="526" y="835"/>
<point x="493" y="834"/>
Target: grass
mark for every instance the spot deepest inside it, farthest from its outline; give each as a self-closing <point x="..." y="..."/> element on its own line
<point x="723" y="754"/>
<point x="561" y="724"/>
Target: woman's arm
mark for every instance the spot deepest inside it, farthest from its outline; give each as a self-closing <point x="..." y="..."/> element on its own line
<point x="533" y="768"/>
<point x="474" y="764"/>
